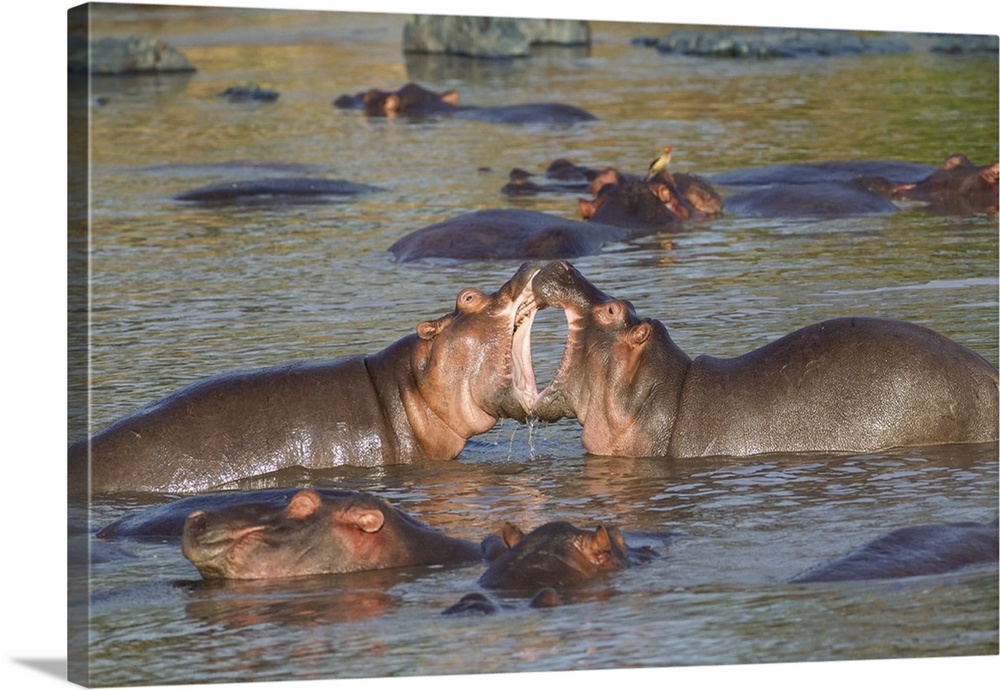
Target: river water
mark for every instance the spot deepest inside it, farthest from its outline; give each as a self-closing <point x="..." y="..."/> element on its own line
<point x="181" y="292"/>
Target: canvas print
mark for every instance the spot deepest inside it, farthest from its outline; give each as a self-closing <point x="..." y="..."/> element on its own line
<point x="424" y="345"/>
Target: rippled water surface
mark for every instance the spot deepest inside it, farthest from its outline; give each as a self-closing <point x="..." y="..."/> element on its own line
<point x="183" y="292"/>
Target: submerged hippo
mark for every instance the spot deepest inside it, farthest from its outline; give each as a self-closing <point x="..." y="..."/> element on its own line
<point x="910" y="551"/>
<point x="413" y="100"/>
<point x="277" y="190"/>
<point x="957" y="186"/>
<point x="562" y="176"/>
<point x="495" y="234"/>
<point x="857" y="197"/>
<point x="314" y="534"/>
<point x="850" y="384"/>
<point x="558" y="554"/>
<point x="420" y="398"/>
<point x="659" y="202"/>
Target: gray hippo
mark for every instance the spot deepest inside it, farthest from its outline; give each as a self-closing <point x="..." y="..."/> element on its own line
<point x="911" y="551"/>
<point x="849" y="384"/>
<point x="314" y="533"/>
<point x="276" y="190"/>
<point x="497" y="234"/>
<point x="420" y="398"/>
<point x="413" y="100"/>
<point x="833" y="199"/>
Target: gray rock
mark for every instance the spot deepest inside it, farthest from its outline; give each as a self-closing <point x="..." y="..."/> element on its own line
<point x="130" y="55"/>
<point x="489" y="37"/>
<point x="777" y="43"/>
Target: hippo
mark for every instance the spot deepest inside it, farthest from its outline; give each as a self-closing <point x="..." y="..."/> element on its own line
<point x="413" y="100"/>
<point x="911" y="551"/>
<point x="477" y="602"/>
<point x="314" y="534"/>
<point x="855" y="384"/>
<point x="559" y="554"/>
<point x="249" y="93"/>
<point x="277" y="190"/>
<point x="819" y="172"/>
<point x="501" y="234"/>
<point x="630" y="203"/>
<point x="957" y="186"/>
<point x="812" y="200"/>
<point x="420" y="398"/>
<point x="563" y="176"/>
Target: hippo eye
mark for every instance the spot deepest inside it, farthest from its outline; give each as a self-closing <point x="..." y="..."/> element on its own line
<point x="470" y="299"/>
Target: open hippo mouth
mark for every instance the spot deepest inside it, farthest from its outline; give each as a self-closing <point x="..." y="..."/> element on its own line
<point x="522" y="371"/>
<point x="570" y="295"/>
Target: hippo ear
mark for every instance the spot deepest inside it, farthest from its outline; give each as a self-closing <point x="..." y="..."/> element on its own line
<point x="640" y="334"/>
<point x="428" y="330"/>
<point x="587" y="208"/>
<point x="601" y="541"/>
<point x="511" y="535"/>
<point x="991" y="174"/>
<point x="303" y="504"/>
<point x="392" y="104"/>
<point x="366" y="519"/>
<point x="450" y="97"/>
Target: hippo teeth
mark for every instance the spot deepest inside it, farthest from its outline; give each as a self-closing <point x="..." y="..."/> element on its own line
<point x="525" y="310"/>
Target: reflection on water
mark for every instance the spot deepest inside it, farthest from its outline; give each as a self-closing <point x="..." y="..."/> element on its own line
<point x="181" y="292"/>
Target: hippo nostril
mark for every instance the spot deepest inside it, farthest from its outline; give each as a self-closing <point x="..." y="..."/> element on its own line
<point x="196" y="520"/>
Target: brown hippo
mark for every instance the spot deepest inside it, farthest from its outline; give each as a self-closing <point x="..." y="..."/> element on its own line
<point x="413" y="100"/>
<point x="660" y="202"/>
<point x="958" y="185"/>
<point x="910" y="551"/>
<point x="314" y="534"/>
<point x="419" y="398"/>
<point x="558" y="554"/>
<point x="849" y="384"/>
<point x="497" y="234"/>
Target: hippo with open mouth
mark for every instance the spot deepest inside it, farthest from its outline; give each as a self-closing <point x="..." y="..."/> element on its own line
<point x="420" y="398"/>
<point x="853" y="384"/>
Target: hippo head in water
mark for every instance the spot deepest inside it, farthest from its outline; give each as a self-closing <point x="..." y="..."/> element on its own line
<point x="606" y="342"/>
<point x="313" y="534"/>
<point x="556" y="554"/>
<point x="481" y="355"/>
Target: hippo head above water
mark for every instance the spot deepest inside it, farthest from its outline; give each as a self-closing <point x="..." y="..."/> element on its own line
<point x="853" y="384"/>
<point x="313" y="534"/>
<point x="556" y="554"/>
<point x="485" y="360"/>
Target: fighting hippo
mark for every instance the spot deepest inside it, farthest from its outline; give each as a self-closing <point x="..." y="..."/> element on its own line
<point x="413" y="100"/>
<point x="277" y="190"/>
<point x="420" y="398"/>
<point x="497" y="234"/>
<point x="314" y="534"/>
<point x="850" y="384"/>
<point x="910" y="551"/>
<point x="957" y="186"/>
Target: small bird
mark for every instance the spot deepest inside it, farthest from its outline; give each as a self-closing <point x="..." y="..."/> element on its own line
<point x="660" y="163"/>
